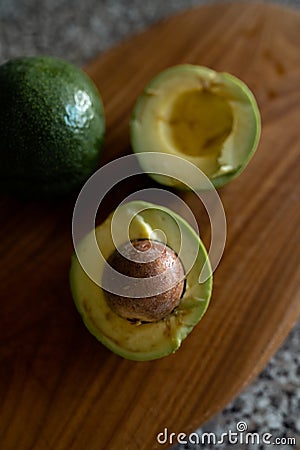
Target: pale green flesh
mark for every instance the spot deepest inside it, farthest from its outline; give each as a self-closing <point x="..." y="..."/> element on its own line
<point x="148" y="340"/>
<point x="210" y="119"/>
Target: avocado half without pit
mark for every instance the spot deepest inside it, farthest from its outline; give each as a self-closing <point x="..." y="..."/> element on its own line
<point x="208" y="118"/>
<point x="143" y="296"/>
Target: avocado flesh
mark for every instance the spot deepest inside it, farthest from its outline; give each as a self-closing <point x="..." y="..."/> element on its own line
<point x="198" y="124"/>
<point x="143" y="341"/>
<point x="210" y="119"/>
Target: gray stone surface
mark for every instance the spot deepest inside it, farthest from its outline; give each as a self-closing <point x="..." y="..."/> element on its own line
<point x="78" y="30"/>
<point x="271" y="404"/>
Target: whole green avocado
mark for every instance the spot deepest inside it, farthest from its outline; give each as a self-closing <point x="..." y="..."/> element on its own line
<point x="51" y="126"/>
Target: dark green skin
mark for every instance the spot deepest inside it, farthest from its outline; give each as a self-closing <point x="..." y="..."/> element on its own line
<point x="48" y="146"/>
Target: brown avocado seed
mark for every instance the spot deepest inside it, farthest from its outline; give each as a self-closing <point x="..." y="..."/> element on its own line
<point x="160" y="290"/>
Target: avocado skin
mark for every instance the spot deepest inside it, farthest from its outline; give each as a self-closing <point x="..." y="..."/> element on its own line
<point x="51" y="126"/>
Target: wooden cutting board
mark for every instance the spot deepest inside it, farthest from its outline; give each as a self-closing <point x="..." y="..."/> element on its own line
<point x="60" y="389"/>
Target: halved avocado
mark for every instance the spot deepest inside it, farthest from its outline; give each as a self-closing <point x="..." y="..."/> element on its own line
<point x="210" y="119"/>
<point x="137" y="340"/>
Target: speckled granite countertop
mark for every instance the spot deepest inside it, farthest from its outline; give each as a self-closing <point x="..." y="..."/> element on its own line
<point x="79" y="30"/>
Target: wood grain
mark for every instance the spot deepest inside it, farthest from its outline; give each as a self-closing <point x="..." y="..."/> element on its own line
<point x="60" y="389"/>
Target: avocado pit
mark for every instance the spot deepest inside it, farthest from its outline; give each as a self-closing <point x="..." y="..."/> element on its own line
<point x="154" y="262"/>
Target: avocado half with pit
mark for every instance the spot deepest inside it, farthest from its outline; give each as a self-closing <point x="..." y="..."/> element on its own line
<point x="154" y="325"/>
<point x="210" y="119"/>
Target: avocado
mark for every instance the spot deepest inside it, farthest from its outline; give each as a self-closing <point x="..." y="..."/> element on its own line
<point x="141" y="338"/>
<point x="208" y="118"/>
<point x="51" y="126"/>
